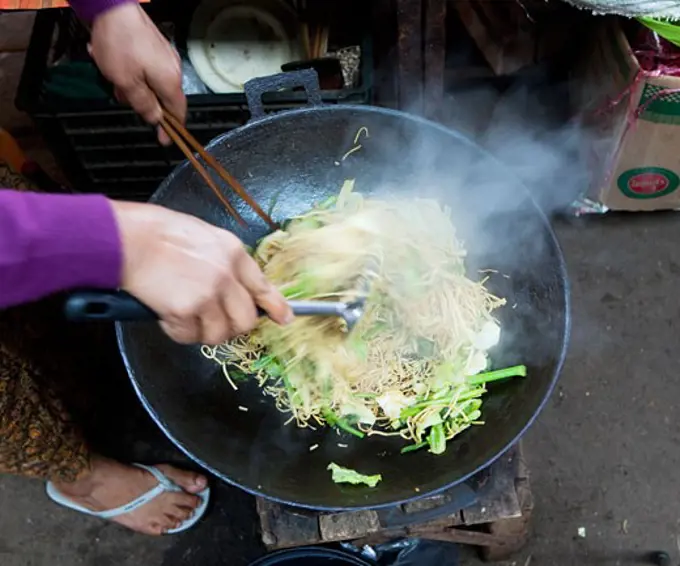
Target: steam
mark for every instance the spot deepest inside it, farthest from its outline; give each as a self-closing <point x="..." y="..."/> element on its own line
<point x="532" y="149"/>
<point x="520" y="129"/>
<point x="535" y="139"/>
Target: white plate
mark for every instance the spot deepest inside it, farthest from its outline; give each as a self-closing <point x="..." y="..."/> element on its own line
<point x="231" y="42"/>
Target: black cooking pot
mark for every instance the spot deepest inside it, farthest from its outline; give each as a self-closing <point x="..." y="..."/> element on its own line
<point x="312" y="556"/>
<point x="288" y="161"/>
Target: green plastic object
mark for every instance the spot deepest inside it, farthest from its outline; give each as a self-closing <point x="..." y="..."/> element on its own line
<point x="667" y="29"/>
<point x="77" y="80"/>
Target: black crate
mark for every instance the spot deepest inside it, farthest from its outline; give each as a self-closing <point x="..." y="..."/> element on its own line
<point x="104" y="147"/>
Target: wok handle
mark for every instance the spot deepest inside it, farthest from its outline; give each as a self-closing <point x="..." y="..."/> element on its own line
<point x="255" y="88"/>
<point x="110" y="306"/>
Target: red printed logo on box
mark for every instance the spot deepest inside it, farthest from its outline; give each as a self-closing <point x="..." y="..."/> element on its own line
<point x="648" y="182"/>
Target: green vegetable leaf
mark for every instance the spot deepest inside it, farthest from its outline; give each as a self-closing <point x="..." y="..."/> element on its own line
<point x="358" y="346"/>
<point x="357" y="412"/>
<point x="496" y="375"/>
<point x="274" y="201"/>
<point x="376" y="330"/>
<point x="437" y="439"/>
<point x="274" y="369"/>
<point x="262" y="363"/>
<point x="307" y="223"/>
<point x="413" y="447"/>
<point x="474" y="416"/>
<point x="345" y="475"/>
<point x="345" y="191"/>
<point x="430" y="420"/>
<point x="304" y="286"/>
<point x="236" y="374"/>
<point x="444" y="375"/>
<point x="327" y="203"/>
<point x="338" y="422"/>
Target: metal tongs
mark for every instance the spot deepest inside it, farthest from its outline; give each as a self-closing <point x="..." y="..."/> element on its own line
<point x="113" y="306"/>
<point x="119" y="306"/>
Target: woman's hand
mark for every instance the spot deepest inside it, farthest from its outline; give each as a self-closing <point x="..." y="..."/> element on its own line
<point x="197" y="278"/>
<point x="132" y="53"/>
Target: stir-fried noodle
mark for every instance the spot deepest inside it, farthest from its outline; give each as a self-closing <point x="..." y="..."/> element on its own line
<point x="415" y="365"/>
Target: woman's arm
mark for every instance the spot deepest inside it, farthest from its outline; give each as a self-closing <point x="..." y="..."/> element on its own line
<point x="53" y="242"/>
<point x="196" y="277"/>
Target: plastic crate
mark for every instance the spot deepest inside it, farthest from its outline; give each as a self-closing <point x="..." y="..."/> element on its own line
<point x="104" y="147"/>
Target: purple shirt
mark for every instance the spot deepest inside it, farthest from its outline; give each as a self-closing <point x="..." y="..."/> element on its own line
<point x="88" y="10"/>
<point x="51" y="243"/>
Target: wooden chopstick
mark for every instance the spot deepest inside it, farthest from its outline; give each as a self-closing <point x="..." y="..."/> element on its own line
<point x="179" y="134"/>
<point x="323" y="42"/>
<point x="174" y="136"/>
<point x="316" y="45"/>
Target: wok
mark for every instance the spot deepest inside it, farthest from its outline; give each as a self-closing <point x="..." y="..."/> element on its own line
<point x="288" y="161"/>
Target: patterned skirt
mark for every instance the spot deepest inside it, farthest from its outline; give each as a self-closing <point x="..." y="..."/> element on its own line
<point x="38" y="436"/>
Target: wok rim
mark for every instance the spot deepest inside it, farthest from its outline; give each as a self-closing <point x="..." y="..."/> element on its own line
<point x="556" y="373"/>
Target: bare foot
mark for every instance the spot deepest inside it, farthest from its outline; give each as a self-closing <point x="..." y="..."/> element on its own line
<point x="109" y="484"/>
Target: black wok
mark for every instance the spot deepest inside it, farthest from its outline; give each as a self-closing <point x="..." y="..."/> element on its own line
<point x="293" y="159"/>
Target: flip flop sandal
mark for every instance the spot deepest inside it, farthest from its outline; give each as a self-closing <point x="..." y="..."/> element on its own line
<point x="164" y="484"/>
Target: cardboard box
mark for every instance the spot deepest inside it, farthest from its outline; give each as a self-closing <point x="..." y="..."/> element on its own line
<point x="632" y="127"/>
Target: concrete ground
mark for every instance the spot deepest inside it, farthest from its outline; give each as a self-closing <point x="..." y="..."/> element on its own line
<point x="604" y="455"/>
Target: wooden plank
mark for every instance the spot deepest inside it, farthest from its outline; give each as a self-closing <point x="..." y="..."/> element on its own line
<point x="286" y="528"/>
<point x="522" y="466"/>
<point x="462" y="536"/>
<point x="410" y="55"/>
<point x="510" y="536"/>
<point x="350" y="525"/>
<point x="518" y="528"/>
<point x="426" y="503"/>
<point x="434" y="57"/>
<point x="446" y="522"/>
<point x="500" y="501"/>
<point x="429" y="503"/>
<point x="505" y="506"/>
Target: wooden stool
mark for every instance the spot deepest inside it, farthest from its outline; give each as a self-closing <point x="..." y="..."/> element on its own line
<point x="496" y="519"/>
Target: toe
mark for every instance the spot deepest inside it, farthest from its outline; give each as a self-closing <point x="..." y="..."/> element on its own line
<point x="168" y="522"/>
<point x="154" y="529"/>
<point x="186" y="500"/>
<point x="180" y="513"/>
<point x="188" y="481"/>
<point x="172" y="523"/>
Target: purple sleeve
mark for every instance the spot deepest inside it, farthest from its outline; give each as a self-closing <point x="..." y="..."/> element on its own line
<point x="50" y="243"/>
<point x="88" y="10"/>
